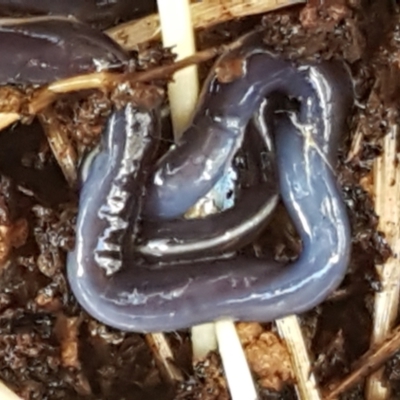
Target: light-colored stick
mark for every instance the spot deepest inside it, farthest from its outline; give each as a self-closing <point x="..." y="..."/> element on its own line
<point x="204" y="340"/>
<point x="204" y="14"/>
<point x="236" y="368"/>
<point x="387" y="200"/>
<point x="177" y="33"/>
<point x="306" y="385"/>
<point x="7" y="394"/>
<point x="237" y="372"/>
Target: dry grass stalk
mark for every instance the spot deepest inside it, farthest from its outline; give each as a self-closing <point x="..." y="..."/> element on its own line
<point x="204" y="340"/>
<point x="306" y="385"/>
<point x="372" y="360"/>
<point x="61" y="145"/>
<point x="177" y="33"/>
<point x="237" y="372"/>
<point x="204" y="14"/>
<point x="108" y="81"/>
<point x="164" y="356"/>
<point x="8" y="118"/>
<point x="387" y="198"/>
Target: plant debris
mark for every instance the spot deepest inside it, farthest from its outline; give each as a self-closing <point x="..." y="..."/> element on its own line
<point x="51" y="349"/>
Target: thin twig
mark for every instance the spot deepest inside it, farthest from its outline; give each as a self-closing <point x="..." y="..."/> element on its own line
<point x="61" y="145"/>
<point x="306" y="385"/>
<point x="109" y="80"/>
<point x="372" y="360"/>
<point x="204" y="14"/>
<point x="164" y="357"/>
<point x="387" y="198"/>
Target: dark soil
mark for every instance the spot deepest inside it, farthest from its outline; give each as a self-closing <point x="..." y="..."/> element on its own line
<point x="51" y="349"/>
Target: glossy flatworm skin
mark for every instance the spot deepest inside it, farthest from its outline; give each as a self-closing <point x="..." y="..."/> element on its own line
<point x="190" y="169"/>
<point x="226" y="231"/>
<point x="122" y="291"/>
<point x="94" y="11"/>
<point x="44" y="49"/>
<point x="230" y="229"/>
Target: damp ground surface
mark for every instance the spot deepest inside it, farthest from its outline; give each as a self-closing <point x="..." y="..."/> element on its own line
<point x="51" y="349"/>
